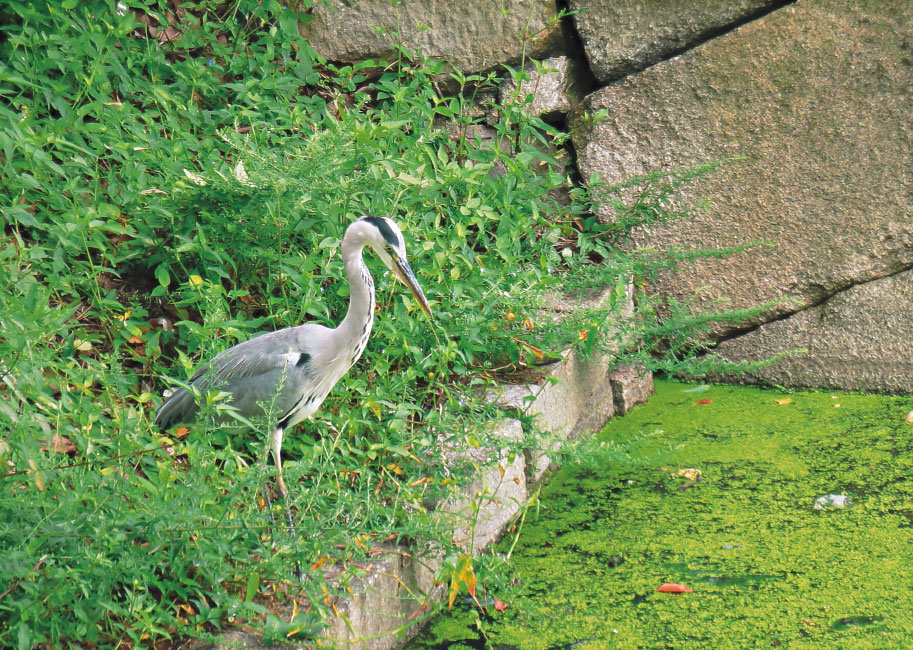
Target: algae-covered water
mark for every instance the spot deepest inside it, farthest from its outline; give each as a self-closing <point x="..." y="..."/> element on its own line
<point x="767" y="569"/>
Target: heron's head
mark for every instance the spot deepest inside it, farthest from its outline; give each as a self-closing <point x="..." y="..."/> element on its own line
<point x="385" y="237"/>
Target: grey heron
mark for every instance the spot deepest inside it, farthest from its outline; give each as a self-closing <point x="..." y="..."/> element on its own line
<point x="293" y="369"/>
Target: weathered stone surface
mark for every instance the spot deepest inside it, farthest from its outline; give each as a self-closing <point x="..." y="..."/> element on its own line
<point x="471" y="35"/>
<point x="487" y="504"/>
<point x="859" y="339"/>
<point x="554" y="91"/>
<point x="394" y="589"/>
<point x="576" y="395"/>
<point x="623" y="37"/>
<point x="580" y="401"/>
<point x="816" y="97"/>
<point x="630" y="386"/>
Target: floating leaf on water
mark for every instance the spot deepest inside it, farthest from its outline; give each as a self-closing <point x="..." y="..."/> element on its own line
<point x="784" y="401"/>
<point x="689" y="473"/>
<point x="704" y="401"/>
<point x="674" y="588"/>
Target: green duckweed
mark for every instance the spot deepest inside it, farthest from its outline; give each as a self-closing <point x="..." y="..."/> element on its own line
<point x="767" y="569"/>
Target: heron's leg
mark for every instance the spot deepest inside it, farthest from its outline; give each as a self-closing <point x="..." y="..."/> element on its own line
<point x="276" y="447"/>
<point x="275" y="444"/>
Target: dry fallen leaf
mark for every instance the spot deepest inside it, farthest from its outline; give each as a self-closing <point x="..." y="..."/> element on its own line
<point x="499" y="605"/>
<point x="909" y="417"/>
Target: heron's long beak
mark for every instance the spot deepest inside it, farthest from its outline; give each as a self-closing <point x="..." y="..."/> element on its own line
<point x="405" y="275"/>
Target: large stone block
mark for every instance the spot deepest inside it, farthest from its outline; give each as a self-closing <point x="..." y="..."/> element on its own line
<point x="552" y="85"/>
<point x="624" y="37"/>
<point x="392" y="591"/>
<point x="577" y="400"/>
<point x="815" y="97"/>
<point x="630" y="386"/>
<point x="471" y="35"/>
<point x="483" y="508"/>
<point x="859" y="339"/>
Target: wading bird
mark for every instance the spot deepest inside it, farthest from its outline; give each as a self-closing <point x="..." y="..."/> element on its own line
<point x="293" y="369"/>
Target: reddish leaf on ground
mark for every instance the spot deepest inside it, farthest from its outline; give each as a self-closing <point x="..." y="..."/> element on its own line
<point x="499" y="605"/>
<point x="703" y="401"/>
<point x="674" y="588"/>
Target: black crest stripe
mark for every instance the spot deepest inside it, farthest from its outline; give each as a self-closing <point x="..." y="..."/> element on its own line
<point x="385" y="231"/>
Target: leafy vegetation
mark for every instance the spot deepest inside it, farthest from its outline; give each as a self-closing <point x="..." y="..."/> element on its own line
<point x="767" y="568"/>
<point x="178" y="179"/>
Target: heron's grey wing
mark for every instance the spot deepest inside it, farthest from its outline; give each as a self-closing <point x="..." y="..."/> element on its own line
<point x="265" y="369"/>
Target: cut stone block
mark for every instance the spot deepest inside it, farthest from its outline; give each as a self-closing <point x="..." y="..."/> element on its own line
<point x="471" y="35"/>
<point x="487" y="504"/>
<point x="554" y="93"/>
<point x="580" y="401"/>
<point x="859" y="339"/>
<point x="624" y="37"/>
<point x="630" y="386"/>
<point x="394" y="590"/>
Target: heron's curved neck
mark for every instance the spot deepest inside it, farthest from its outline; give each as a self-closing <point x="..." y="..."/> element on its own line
<point x="356" y="326"/>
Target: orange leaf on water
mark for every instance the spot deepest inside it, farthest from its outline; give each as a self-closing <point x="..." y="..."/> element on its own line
<point x="703" y="401"/>
<point x="674" y="588"/>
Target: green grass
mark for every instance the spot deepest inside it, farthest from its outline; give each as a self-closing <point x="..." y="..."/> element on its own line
<point x="767" y="569"/>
